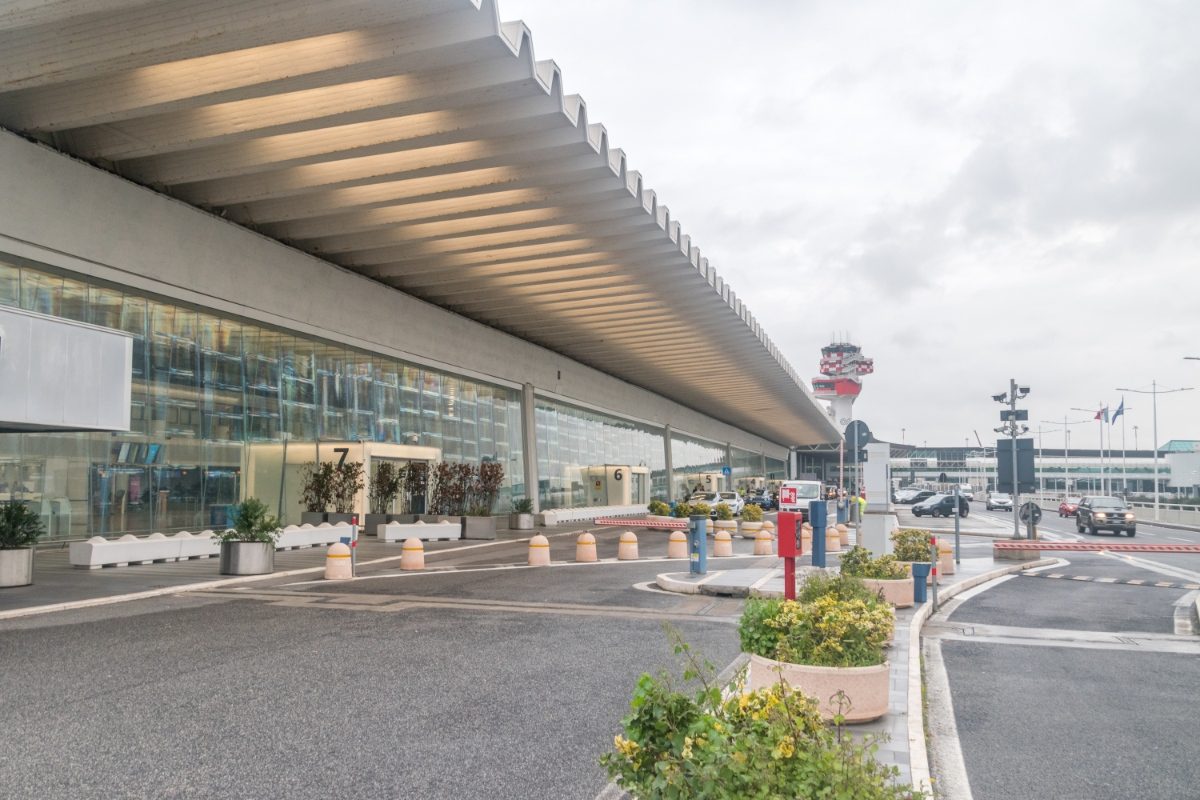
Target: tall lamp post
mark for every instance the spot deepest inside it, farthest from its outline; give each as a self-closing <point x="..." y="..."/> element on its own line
<point x="1154" y="392"/>
<point x="1010" y="426"/>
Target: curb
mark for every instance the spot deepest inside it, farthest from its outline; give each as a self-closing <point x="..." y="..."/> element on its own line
<point x="918" y="755"/>
<point x="665" y="582"/>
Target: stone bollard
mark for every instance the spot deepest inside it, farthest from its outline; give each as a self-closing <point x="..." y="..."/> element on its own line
<point x="412" y="555"/>
<point x="627" y="550"/>
<point x="585" y="547"/>
<point x="677" y="545"/>
<point x="843" y="534"/>
<point x="945" y="558"/>
<point x="769" y="526"/>
<point x="539" y="551"/>
<point x="337" y="563"/>
<point x="833" y="541"/>
<point x="764" y="545"/>
<point x="722" y="545"/>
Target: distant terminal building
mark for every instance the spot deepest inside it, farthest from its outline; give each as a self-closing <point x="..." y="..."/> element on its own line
<point x="842" y="367"/>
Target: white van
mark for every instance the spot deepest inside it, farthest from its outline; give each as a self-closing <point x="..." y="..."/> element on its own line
<point x="796" y="495"/>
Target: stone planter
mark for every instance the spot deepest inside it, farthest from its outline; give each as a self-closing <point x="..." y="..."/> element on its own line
<point x="750" y="529"/>
<point x="723" y="525"/>
<point x="16" y="567"/>
<point x="520" y="522"/>
<point x="479" y="527"/>
<point x="843" y="535"/>
<point x="431" y="518"/>
<point x="833" y="542"/>
<point x="866" y="688"/>
<point x="897" y="592"/>
<point x="247" y="558"/>
<point x="373" y="521"/>
<point x="333" y="518"/>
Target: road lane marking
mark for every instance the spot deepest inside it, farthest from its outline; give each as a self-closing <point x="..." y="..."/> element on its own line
<point x="1135" y="641"/>
<point x="1178" y="539"/>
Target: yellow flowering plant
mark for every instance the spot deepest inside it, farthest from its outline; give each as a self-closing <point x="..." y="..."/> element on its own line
<point x="827" y="631"/>
<point x="696" y="742"/>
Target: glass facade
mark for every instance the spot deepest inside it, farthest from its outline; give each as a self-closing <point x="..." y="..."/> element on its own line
<point x="696" y="465"/>
<point x="579" y="451"/>
<point x="746" y="469"/>
<point x="776" y="469"/>
<point x="207" y="389"/>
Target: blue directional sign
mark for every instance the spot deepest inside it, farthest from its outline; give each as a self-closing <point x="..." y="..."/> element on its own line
<point x="726" y="471"/>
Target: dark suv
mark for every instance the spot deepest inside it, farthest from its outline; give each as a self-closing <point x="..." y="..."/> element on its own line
<point x="1105" y="513"/>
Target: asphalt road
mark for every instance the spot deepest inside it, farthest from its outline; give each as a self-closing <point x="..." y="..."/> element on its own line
<point x="494" y="683"/>
<point x="1074" y="688"/>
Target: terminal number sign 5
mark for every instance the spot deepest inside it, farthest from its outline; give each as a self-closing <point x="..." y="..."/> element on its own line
<point x="787" y="495"/>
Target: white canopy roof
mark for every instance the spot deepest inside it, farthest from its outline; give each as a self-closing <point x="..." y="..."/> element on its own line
<point x="417" y="142"/>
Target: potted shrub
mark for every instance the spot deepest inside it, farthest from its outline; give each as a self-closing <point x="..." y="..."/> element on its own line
<point x="521" y="518"/>
<point x="20" y="528"/>
<point x="913" y="547"/>
<point x="347" y="483"/>
<point x="658" y="510"/>
<point x="883" y="575"/>
<point x="416" y="486"/>
<point x="752" y="520"/>
<point x="317" y="495"/>
<point x="724" y="519"/>
<point x="681" y="510"/>
<point x="248" y="548"/>
<point x="382" y="493"/>
<point x="448" y="492"/>
<point x="696" y="741"/>
<point x="829" y="648"/>
<point x="483" y="487"/>
<point x="700" y="509"/>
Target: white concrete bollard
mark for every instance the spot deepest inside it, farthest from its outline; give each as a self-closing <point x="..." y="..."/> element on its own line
<point x="677" y="545"/>
<point x="539" y="551"/>
<point x="843" y="534"/>
<point x="769" y="527"/>
<point x="412" y="554"/>
<point x="764" y="545"/>
<point x="833" y="542"/>
<point x="627" y="550"/>
<point x="337" y="563"/>
<point x="722" y="545"/>
<point x="585" y="547"/>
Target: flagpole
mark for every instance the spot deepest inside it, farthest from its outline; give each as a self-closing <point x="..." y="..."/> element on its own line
<point x="1124" y="466"/>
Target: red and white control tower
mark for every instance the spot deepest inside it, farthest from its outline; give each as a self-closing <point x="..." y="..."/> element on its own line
<point x="842" y="368"/>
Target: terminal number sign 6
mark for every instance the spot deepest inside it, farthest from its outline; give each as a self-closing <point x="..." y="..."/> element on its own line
<point x="787" y="495"/>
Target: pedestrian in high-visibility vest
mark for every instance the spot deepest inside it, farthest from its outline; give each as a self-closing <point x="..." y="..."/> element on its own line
<point x="862" y="504"/>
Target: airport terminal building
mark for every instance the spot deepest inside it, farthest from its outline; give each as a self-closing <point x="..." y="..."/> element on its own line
<point x="375" y="226"/>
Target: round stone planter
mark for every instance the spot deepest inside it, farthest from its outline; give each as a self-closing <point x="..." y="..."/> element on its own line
<point x="16" y="567"/>
<point x="247" y="558"/>
<point x="833" y="542"/>
<point x="750" y="529"/>
<point x="725" y="525"/>
<point x="866" y="688"/>
<point x="843" y="535"/>
<point x="897" y="592"/>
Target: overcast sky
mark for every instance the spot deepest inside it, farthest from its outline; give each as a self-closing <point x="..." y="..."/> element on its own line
<point x="972" y="191"/>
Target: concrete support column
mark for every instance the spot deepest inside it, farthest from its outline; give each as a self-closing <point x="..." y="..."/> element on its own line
<point x="529" y="442"/>
<point x="670" y="464"/>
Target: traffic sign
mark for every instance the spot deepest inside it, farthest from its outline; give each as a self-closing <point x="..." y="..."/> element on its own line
<point x="857" y="433"/>
<point x="1031" y="510"/>
<point x="726" y="471"/>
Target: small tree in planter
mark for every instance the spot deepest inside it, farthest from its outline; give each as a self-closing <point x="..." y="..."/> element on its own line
<point x="700" y="509"/>
<point x="347" y="483"/>
<point x="521" y="518"/>
<point x="416" y="486"/>
<point x="320" y="480"/>
<point x="20" y="528"/>
<point x="913" y="546"/>
<point x="828" y="648"/>
<point x="483" y="489"/>
<point x="248" y="548"/>
<point x="385" y="487"/>
<point x="884" y="575"/>
<point x="752" y="519"/>
<point x="658" y="508"/>
<point x="682" y="510"/>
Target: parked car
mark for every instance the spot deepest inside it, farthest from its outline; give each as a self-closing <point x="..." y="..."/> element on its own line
<point x="903" y="495"/>
<point x="761" y="499"/>
<point x="923" y="494"/>
<point x="941" y="505"/>
<point x="1105" y="513"/>
<point x="731" y="499"/>
<point x="1068" y="507"/>
<point x="999" y="501"/>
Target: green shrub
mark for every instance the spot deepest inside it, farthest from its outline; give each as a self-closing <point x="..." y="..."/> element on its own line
<point x="857" y="562"/>
<point x="825" y="632"/>
<point x="683" y="510"/>
<point x="251" y="523"/>
<point x="523" y="506"/>
<point x="752" y="513"/>
<point x="659" y="509"/>
<point x="701" y="509"/>
<point x="843" y="587"/>
<point x="771" y="743"/>
<point x="912" y="544"/>
<point x="20" y="526"/>
<point x="724" y="511"/>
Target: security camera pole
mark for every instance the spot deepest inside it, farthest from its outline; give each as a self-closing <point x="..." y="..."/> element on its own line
<point x="1013" y="429"/>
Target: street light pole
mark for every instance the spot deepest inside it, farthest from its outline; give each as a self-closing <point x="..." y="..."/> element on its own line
<point x="1012" y="429"/>
<point x="1154" y="393"/>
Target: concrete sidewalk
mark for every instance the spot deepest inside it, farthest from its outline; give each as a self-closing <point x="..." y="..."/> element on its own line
<point x="903" y="725"/>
